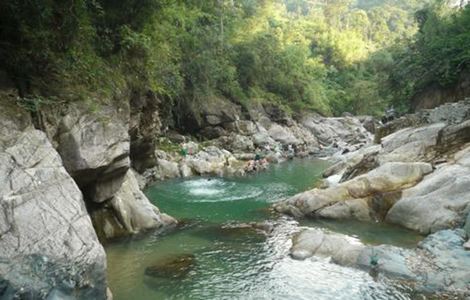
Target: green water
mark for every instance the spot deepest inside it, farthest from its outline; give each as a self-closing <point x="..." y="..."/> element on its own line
<point x="242" y="263"/>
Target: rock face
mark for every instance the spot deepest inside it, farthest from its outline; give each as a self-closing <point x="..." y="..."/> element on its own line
<point x="44" y="227"/>
<point x="95" y="150"/>
<point x="145" y="124"/>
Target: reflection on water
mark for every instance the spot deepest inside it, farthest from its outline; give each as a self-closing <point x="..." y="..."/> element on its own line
<point x="233" y="262"/>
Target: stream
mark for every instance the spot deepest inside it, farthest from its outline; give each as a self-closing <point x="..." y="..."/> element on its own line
<point x="235" y="262"/>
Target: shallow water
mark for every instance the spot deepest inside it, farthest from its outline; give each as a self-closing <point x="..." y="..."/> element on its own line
<point x="239" y="263"/>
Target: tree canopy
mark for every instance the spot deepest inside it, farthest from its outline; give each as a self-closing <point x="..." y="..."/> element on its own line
<point x="329" y="56"/>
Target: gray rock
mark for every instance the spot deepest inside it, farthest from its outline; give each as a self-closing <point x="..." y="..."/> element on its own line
<point x="282" y="134"/>
<point x="342" y="249"/>
<point x="95" y="151"/>
<point x="129" y="212"/>
<point x="330" y="202"/>
<point x="411" y="144"/>
<point x="438" y="202"/>
<point x="348" y="130"/>
<point x="168" y="169"/>
<point x="43" y="212"/>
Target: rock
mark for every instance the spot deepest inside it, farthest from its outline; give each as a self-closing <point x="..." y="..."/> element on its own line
<point x="330" y="202"/>
<point x="438" y="266"/>
<point x="353" y="209"/>
<point x="282" y="135"/>
<point x="368" y="161"/>
<point x="95" y="151"/>
<point x="467" y="225"/>
<point x="438" y="202"/>
<point x="45" y="227"/>
<point x="129" y="212"/>
<point x="145" y="124"/>
<point x="213" y="132"/>
<point x="168" y="169"/>
<point x="243" y="127"/>
<point x="236" y="143"/>
<point x="185" y="170"/>
<point x="467" y="245"/>
<point x="453" y="136"/>
<point x="369" y="123"/>
<point x="172" y="268"/>
<point x="262" y="138"/>
<point x="411" y="144"/>
<point x="342" y="249"/>
<point x="447" y="267"/>
<point x="389" y="260"/>
<point x="330" y="130"/>
<point x="206" y="113"/>
<point x="449" y="113"/>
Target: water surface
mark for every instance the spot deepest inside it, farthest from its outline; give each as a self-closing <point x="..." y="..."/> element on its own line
<point x="234" y="263"/>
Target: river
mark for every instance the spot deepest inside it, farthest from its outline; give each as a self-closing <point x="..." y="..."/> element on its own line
<point x="241" y="263"/>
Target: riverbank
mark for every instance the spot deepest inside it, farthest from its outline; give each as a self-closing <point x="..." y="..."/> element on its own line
<point x="418" y="178"/>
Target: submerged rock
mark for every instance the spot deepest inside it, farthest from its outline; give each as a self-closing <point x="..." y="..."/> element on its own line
<point x="175" y="267"/>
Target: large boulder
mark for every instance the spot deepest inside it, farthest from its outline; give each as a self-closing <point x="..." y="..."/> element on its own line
<point x="438" y="202"/>
<point x="353" y="199"/>
<point x="342" y="249"/>
<point x="48" y="248"/>
<point x="210" y="112"/>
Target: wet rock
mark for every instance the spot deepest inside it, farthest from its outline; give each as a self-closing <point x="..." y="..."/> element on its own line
<point x="175" y="267"/>
<point x="42" y="212"/>
<point x="389" y="260"/>
<point x="342" y="249"/>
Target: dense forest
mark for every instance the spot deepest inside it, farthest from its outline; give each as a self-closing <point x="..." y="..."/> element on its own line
<point x="328" y="56"/>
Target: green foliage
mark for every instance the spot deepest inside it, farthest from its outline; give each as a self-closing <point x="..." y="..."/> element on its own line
<point x="328" y="56"/>
<point x="439" y="53"/>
